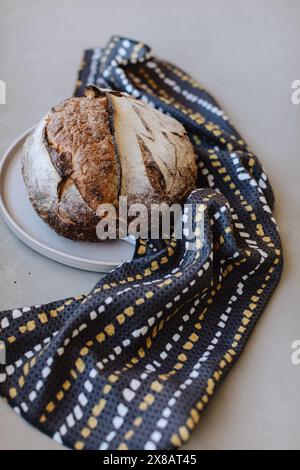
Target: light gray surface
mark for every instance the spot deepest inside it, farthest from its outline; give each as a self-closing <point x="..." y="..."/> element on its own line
<point x="247" y="55"/>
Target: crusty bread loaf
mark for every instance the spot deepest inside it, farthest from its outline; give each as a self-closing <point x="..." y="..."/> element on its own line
<point x="90" y="150"/>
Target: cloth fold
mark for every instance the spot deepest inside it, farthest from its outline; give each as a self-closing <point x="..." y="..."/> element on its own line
<point x="133" y="364"/>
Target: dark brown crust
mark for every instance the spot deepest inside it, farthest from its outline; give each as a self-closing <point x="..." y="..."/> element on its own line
<point x="81" y="228"/>
<point x="79" y="140"/>
<point x="110" y="112"/>
<point x="84" y="229"/>
<point x="154" y="174"/>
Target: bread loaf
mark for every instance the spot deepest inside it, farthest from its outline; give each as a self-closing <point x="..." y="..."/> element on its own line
<point x="90" y="150"/>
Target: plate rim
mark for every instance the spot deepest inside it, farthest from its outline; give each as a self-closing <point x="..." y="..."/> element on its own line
<point x="34" y="244"/>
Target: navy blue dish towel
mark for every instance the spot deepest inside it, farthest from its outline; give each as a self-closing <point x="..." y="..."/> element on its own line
<point x="133" y="364"/>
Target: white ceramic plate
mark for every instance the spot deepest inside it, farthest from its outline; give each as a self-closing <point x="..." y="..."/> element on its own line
<point x="18" y="213"/>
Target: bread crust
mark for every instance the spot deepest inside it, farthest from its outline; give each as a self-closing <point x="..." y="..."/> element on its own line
<point x="78" y="138"/>
<point x="69" y="215"/>
<point x="90" y="150"/>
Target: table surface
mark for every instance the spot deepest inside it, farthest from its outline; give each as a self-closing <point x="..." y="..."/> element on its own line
<point x="247" y="55"/>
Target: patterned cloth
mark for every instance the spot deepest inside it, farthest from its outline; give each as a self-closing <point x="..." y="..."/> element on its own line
<point x="133" y="364"/>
